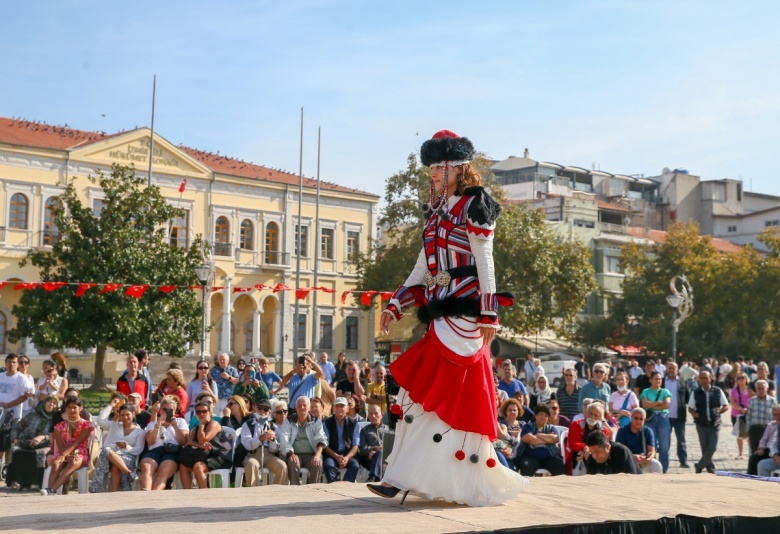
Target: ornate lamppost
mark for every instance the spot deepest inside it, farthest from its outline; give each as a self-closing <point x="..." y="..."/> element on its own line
<point x="204" y="273"/>
<point x="681" y="302"/>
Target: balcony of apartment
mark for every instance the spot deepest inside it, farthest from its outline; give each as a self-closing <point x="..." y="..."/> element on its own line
<point x="276" y="259"/>
<point x="222" y="249"/>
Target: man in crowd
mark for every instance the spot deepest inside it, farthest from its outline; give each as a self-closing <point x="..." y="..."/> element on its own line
<point x="301" y="440"/>
<point x="643" y="382"/>
<point x="583" y="371"/>
<point x="706" y="406"/>
<point x="143" y="368"/>
<point x="678" y="412"/>
<point x="508" y="383"/>
<point x="134" y="381"/>
<point x="257" y="435"/>
<point x="376" y="389"/>
<point x="608" y="459"/>
<point x="597" y="388"/>
<point x="723" y="373"/>
<point x="762" y="373"/>
<point x="343" y="441"/>
<point x="640" y="440"/>
<point x="354" y="384"/>
<point x="142" y="417"/>
<point x="568" y="394"/>
<point x="301" y="382"/>
<point x="370" y="447"/>
<point x="634" y="372"/>
<point x="759" y="413"/>
<point x="328" y="369"/>
<point x="765" y="444"/>
<point x="226" y="377"/>
<point x="529" y="368"/>
<point x="13" y="393"/>
<point x="24" y="370"/>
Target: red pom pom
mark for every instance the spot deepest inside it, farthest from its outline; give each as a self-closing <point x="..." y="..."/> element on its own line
<point x="491" y="462"/>
<point x="460" y="455"/>
<point x="396" y="409"/>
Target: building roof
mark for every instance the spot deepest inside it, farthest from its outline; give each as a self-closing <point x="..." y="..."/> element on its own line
<point x="659" y="236"/>
<point x="42" y="135"/>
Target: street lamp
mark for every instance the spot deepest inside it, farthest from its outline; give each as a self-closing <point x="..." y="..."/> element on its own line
<point x="681" y="302"/>
<point x="203" y="272"/>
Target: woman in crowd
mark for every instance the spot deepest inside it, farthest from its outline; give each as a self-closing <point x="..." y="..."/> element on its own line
<point x="201" y="382"/>
<point x="70" y="439"/>
<point x="341" y="368"/>
<point x="593" y="420"/>
<point x="268" y="377"/>
<point x="739" y="397"/>
<point x="656" y="400"/>
<point x="207" y="448"/>
<point x="51" y="383"/>
<point x="509" y="415"/>
<point x="31" y="437"/>
<point x="355" y="409"/>
<point x="177" y="387"/>
<point x="122" y="443"/>
<point x="279" y="413"/>
<point x="165" y="435"/>
<point x="543" y="393"/>
<point x="539" y="446"/>
<point x="240" y="366"/>
<point x="235" y="413"/>
<point x="622" y="401"/>
<point x="556" y="419"/>
<point x="62" y="364"/>
<point x="250" y="383"/>
<point x="527" y="415"/>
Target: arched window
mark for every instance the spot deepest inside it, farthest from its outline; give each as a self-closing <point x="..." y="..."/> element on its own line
<point x="247" y="241"/>
<point x="222" y="237"/>
<point x="248" y="334"/>
<point x="51" y="234"/>
<point x="17" y="212"/>
<point x="272" y="243"/>
<point x="3" y="331"/>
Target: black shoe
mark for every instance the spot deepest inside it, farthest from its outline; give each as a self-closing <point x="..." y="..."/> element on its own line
<point x="698" y="469"/>
<point x="386" y="491"/>
<point x="684" y="465"/>
<point x="710" y="469"/>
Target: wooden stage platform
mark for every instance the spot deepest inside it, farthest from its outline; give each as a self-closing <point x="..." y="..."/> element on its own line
<point x="617" y="503"/>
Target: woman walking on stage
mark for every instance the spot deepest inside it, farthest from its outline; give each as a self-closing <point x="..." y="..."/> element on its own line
<point x="442" y="446"/>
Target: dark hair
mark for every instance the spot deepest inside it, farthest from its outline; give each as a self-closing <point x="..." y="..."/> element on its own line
<point x="596" y="438"/>
<point x="250" y="404"/>
<point x="70" y="390"/>
<point x="11" y="356"/>
<point x="127" y="408"/>
<point x="654" y="373"/>
<point x="141" y="354"/>
<point x="71" y="400"/>
<point x="543" y="408"/>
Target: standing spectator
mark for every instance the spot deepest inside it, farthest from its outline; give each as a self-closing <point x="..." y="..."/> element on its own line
<point x="724" y="370"/>
<point x="240" y="366"/>
<point x="759" y="413"/>
<point x="133" y="381"/>
<point x="543" y="393"/>
<point x="50" y="383"/>
<point x="568" y="395"/>
<point x="24" y="370"/>
<point x="370" y="448"/>
<point x="640" y="440"/>
<point x="252" y="385"/>
<point x="739" y="397"/>
<point x="706" y="406"/>
<point x="634" y="372"/>
<point x="143" y="368"/>
<point x="354" y="384"/>
<point x="529" y="368"/>
<point x="226" y="376"/>
<point x="643" y="381"/>
<point x="201" y="382"/>
<point x="583" y="371"/>
<point x="609" y="459"/>
<point x="597" y="388"/>
<point x="343" y="436"/>
<point x="302" y="452"/>
<point x="328" y="369"/>
<point x="660" y="368"/>
<point x="765" y="444"/>
<point x="509" y="384"/>
<point x="776" y="375"/>
<point x="656" y="400"/>
<point x="62" y="364"/>
<point x="70" y="445"/>
<point x="376" y="390"/>
<point x="538" y="446"/>
<point x="258" y="437"/>
<point x="677" y="409"/>
<point x="266" y="375"/>
<point x="122" y="444"/>
<point x="13" y="392"/>
<point x="762" y="373"/>
<point x="622" y="401"/>
<point x="300" y="382"/>
<point x="341" y="368"/>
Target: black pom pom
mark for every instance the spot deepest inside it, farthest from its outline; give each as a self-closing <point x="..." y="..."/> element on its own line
<point x="440" y="212"/>
<point x="409" y="419"/>
<point x="446" y="217"/>
<point x="474" y="458"/>
<point x="425" y="207"/>
<point x="437" y="438"/>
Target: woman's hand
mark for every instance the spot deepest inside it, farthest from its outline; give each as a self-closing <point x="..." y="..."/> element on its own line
<point x="488" y="333"/>
<point x="384" y="321"/>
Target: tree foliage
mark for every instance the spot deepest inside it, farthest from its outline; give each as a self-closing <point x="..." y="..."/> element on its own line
<point x="735" y="297"/>
<point x="549" y="276"/>
<point x="126" y="244"/>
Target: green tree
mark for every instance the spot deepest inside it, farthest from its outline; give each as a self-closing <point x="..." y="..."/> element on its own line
<point x="127" y="243"/>
<point x="550" y="277"/>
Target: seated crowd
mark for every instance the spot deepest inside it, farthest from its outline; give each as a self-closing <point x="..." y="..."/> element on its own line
<point x="228" y="420"/>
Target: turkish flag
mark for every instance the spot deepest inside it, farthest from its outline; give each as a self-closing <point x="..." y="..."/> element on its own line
<point x="302" y="293"/>
<point x="51" y="286"/>
<point x="137" y="291"/>
<point x="183" y="186"/>
<point x="108" y="288"/>
<point x="83" y="288"/>
<point x="167" y="289"/>
<point x="365" y="298"/>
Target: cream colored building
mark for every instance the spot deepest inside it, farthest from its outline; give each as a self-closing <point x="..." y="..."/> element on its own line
<point x="247" y="212"/>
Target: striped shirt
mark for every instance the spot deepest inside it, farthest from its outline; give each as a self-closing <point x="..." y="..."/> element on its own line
<point x="759" y="411"/>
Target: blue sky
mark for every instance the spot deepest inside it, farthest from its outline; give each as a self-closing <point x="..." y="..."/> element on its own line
<point x="630" y="86"/>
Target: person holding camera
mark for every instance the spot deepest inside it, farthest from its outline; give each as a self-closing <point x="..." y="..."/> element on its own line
<point x="301" y="382"/>
<point x="165" y="436"/>
<point x="122" y="444"/>
<point x="207" y="449"/>
<point x="201" y="382"/>
<point x="226" y="377"/>
<point x="252" y="385"/>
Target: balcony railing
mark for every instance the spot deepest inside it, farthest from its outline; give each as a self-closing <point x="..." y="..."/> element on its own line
<point x="274" y="257"/>
<point x="223" y="249"/>
<point x="609" y="228"/>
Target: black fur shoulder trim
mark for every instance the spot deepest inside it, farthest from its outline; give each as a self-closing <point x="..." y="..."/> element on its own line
<point x="482" y="210"/>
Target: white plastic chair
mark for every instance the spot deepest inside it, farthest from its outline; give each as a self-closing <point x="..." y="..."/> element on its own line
<point x="224" y="474"/>
<point x="83" y="472"/>
<point x="265" y="475"/>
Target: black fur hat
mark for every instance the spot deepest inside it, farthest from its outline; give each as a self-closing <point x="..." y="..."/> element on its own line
<point x="446" y="146"/>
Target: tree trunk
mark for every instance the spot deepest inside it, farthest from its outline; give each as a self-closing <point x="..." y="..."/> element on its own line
<point x="98" y="375"/>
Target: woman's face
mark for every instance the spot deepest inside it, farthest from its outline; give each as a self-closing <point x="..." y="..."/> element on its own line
<point x="126" y="416"/>
<point x="73" y="410"/>
<point x="235" y="409"/>
<point x="280" y="412"/>
<point x="203" y="369"/>
<point x="437" y="175"/>
<point x="656" y="381"/>
<point x="512" y="412"/>
<point x="170" y="382"/>
<point x="203" y="414"/>
<point x="50" y="406"/>
<point x="620" y="380"/>
<point x="541" y="383"/>
<point x="541" y="419"/>
<point x="240" y="364"/>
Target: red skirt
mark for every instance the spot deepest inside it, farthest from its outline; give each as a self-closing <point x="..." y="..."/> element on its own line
<point x="459" y="389"/>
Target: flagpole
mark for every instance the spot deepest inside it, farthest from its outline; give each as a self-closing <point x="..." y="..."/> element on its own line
<point x="296" y="324"/>
<point x="315" y="316"/>
<point x="151" y="138"/>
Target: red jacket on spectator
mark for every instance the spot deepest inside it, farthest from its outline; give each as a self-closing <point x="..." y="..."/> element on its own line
<point x="577" y="437"/>
<point x="141" y="386"/>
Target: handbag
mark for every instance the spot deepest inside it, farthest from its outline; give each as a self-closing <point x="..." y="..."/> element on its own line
<point x="172" y="448"/>
<point x="189" y="456"/>
<point x="579" y="469"/>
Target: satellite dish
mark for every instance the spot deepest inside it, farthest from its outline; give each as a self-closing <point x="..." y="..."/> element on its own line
<point x="626" y="221"/>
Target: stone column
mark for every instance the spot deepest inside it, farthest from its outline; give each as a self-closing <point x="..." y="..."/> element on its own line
<point x="256" y="325"/>
<point x="226" y="308"/>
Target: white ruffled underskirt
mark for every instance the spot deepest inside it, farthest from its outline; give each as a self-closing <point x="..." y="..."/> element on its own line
<point x="430" y="470"/>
